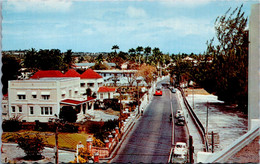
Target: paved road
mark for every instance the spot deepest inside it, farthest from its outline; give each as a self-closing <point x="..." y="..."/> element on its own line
<point x="11" y="153"/>
<point x="150" y="140"/>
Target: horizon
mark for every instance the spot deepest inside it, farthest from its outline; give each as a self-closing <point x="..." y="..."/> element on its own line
<point x="95" y="26"/>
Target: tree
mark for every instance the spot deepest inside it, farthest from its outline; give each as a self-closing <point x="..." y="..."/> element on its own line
<point x="132" y="54"/>
<point x="147" y="72"/>
<point x="69" y="114"/>
<point x="32" y="144"/>
<point x="10" y="70"/>
<point x="227" y="75"/>
<point x="147" y="52"/>
<point x="139" y="49"/>
<point x="68" y="60"/>
<point x="115" y="47"/>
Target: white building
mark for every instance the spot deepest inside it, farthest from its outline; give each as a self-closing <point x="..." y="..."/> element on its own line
<point x="42" y="99"/>
<point x="106" y="93"/>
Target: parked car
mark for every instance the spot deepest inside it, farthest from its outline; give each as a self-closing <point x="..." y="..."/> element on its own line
<point x="180" y="153"/>
<point x="172" y="89"/>
<point x="180" y="120"/>
<point x="158" y="92"/>
<point x="179" y="113"/>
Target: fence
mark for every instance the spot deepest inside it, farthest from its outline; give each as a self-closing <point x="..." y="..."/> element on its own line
<point x="196" y="120"/>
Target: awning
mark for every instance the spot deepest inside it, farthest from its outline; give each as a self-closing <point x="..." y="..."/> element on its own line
<point x="63" y="92"/>
<point x="76" y="102"/>
<point x="34" y="93"/>
<point x="76" y="89"/>
<point x="20" y="93"/>
<point x="45" y="93"/>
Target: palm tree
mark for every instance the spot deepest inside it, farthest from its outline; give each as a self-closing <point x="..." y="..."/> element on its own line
<point x="158" y="56"/>
<point x="132" y="53"/>
<point x="147" y="52"/>
<point x="139" y="49"/>
<point x="115" y="47"/>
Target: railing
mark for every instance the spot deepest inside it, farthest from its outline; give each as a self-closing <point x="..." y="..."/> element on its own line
<point x="232" y="149"/>
<point x="195" y="120"/>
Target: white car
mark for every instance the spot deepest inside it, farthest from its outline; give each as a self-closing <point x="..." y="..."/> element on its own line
<point x="179" y="113"/>
<point x="180" y="153"/>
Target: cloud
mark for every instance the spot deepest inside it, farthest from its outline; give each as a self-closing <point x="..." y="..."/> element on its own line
<point x="135" y="12"/>
<point x="186" y="3"/>
<point x="39" y="5"/>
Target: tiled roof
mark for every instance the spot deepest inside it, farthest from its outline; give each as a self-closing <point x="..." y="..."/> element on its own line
<point x="71" y="73"/>
<point x="106" y="89"/>
<point x="75" y="102"/>
<point x="47" y="73"/>
<point x="90" y="74"/>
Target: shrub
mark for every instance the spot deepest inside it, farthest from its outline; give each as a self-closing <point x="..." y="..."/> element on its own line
<point x="97" y="142"/>
<point x="69" y="128"/>
<point x="112" y="103"/>
<point x="12" y="125"/>
<point x="32" y="144"/>
<point x="69" y="114"/>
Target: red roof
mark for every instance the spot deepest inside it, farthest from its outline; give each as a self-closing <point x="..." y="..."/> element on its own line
<point x="47" y="73"/>
<point x="75" y="102"/>
<point x="106" y="89"/>
<point x="71" y="73"/>
<point x="90" y="74"/>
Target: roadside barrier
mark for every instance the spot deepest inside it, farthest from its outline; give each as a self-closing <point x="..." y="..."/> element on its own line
<point x="196" y="120"/>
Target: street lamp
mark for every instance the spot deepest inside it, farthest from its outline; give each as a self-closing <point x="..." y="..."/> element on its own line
<point x="138" y="80"/>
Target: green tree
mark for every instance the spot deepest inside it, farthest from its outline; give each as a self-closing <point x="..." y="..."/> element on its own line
<point x="32" y="144"/>
<point x="10" y="70"/>
<point x="69" y="114"/>
<point x="68" y="59"/>
<point x="227" y="75"/>
<point x="147" y="52"/>
<point x="139" y="51"/>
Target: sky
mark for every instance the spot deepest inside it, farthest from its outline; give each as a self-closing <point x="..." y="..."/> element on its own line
<point x="174" y="26"/>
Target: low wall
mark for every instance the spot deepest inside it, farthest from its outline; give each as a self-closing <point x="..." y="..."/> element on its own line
<point x="196" y="120"/>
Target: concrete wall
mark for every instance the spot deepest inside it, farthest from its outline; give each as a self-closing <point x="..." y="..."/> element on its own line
<point x="254" y="60"/>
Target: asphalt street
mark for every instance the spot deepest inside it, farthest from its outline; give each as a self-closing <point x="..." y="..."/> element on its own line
<point x="150" y="140"/>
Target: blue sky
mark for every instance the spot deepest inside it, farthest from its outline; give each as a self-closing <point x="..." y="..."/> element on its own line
<point x="96" y="25"/>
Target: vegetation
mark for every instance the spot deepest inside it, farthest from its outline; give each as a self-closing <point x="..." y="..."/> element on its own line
<point x="32" y="144"/>
<point x="10" y="70"/>
<point x="68" y="114"/>
<point x="227" y="75"/>
<point x="12" y="125"/>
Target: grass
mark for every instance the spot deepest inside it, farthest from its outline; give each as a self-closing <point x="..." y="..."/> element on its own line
<point x="65" y="140"/>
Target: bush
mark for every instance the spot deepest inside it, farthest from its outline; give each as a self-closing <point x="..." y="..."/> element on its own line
<point x="32" y="144"/>
<point x="69" y="114"/>
<point x="112" y="103"/>
<point x="69" y="128"/>
<point x="12" y="125"/>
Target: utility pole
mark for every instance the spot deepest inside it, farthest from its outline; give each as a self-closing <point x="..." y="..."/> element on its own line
<point x="56" y="144"/>
<point x="212" y="141"/>
<point x="191" y="149"/>
<point x="207" y="120"/>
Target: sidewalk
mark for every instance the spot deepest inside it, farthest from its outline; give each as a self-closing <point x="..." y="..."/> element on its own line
<point x="11" y="153"/>
<point x="192" y="129"/>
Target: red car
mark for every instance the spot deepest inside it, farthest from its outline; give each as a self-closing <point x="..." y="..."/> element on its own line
<point x="158" y="92"/>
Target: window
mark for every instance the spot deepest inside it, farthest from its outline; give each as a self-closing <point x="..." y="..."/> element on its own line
<point x="82" y="84"/>
<point x="46" y="111"/>
<point x="34" y="96"/>
<point x="90" y="84"/>
<point x="13" y="109"/>
<point x="21" y="97"/>
<point x="101" y="96"/>
<point x="31" y="110"/>
<point x="45" y="97"/>
<point x="69" y="93"/>
<point x="20" y="109"/>
<point x="108" y="95"/>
